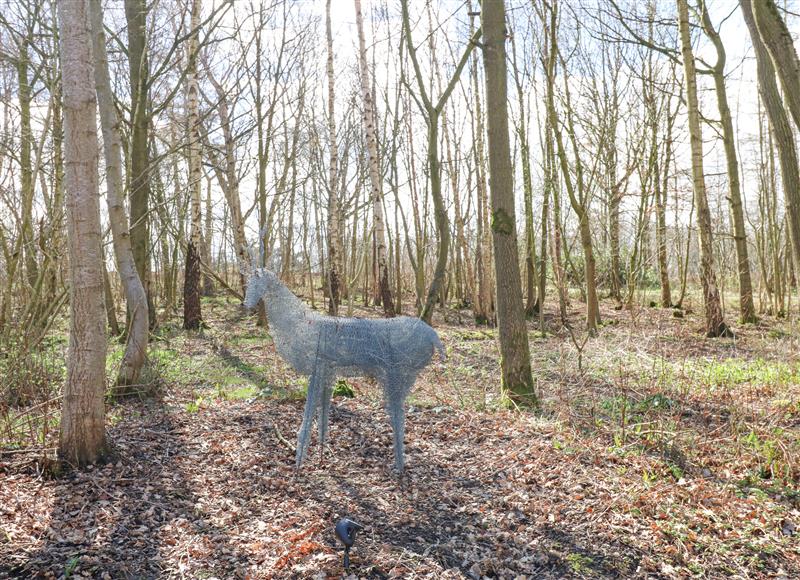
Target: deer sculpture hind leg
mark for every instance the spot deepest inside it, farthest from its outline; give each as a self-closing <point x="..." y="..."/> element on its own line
<point x="324" y="414"/>
<point x="396" y="389"/>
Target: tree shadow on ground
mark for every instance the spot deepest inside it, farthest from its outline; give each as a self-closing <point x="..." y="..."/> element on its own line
<point x="243" y="368"/>
<point x="433" y="516"/>
<point x="125" y="519"/>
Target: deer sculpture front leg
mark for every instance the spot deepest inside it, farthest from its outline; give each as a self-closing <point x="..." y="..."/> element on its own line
<point x="316" y="386"/>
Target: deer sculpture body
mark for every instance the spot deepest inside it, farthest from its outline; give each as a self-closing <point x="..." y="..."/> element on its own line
<point x="393" y="351"/>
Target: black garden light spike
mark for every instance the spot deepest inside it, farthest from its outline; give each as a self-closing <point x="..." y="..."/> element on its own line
<point x="346" y="532"/>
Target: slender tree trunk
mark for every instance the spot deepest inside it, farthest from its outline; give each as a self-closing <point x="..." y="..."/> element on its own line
<point x="229" y="181"/>
<point x="384" y="290"/>
<point x="515" y="360"/>
<point x="192" y="315"/>
<point x="432" y="111"/>
<point x="335" y="253"/>
<point x="137" y="332"/>
<point x="208" y="241"/>
<point x="82" y="437"/>
<point x="27" y="185"/>
<point x="531" y="298"/>
<point x="747" y="308"/>
<point x="614" y="200"/>
<point x="715" y="323"/>
<point x="111" y="311"/>
<point x="139" y="172"/>
<point x="578" y="199"/>
<point x="547" y="194"/>
<point x="485" y="311"/>
<point x="661" y="212"/>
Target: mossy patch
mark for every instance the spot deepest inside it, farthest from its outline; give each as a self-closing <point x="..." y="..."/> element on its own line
<point x="502" y="222"/>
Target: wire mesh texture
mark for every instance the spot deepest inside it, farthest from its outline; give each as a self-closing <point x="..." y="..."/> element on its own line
<point x="393" y="351"/>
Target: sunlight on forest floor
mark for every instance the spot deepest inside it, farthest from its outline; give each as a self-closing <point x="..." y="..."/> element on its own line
<point x="666" y="453"/>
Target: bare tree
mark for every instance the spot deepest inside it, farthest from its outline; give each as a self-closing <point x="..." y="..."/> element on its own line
<point x="192" y="315"/>
<point x="432" y="111"/>
<point x="335" y="251"/>
<point x="139" y="163"/>
<point x="383" y="290"/>
<point x="715" y="322"/>
<point x="138" y="331"/>
<point x="517" y="380"/>
<point x="747" y="308"/>
<point x="82" y="438"/>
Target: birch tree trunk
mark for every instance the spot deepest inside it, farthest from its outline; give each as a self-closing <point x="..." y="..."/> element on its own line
<point x="135" y="297"/>
<point x="384" y="291"/>
<point x="334" y="237"/>
<point x="715" y="323"/>
<point x="192" y="315"/>
<point x="82" y="437"/>
<point x="515" y="362"/>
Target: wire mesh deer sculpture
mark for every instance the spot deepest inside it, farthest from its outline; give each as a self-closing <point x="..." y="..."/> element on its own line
<point x="393" y="351"/>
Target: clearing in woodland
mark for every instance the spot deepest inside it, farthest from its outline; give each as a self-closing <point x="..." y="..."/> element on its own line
<point x="665" y="455"/>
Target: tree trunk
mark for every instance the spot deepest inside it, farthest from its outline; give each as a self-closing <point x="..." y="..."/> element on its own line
<point x="578" y="199"/>
<point x="485" y="309"/>
<point x="779" y="44"/>
<point x="432" y="112"/>
<point x="111" y="311"/>
<point x="229" y="181"/>
<point x="781" y="128"/>
<point x="139" y="171"/>
<point x="715" y="323"/>
<point x="384" y="290"/>
<point x="27" y="185"/>
<point x="614" y="200"/>
<point x="335" y="253"/>
<point x="661" y="211"/>
<point x="192" y="315"/>
<point x="747" y="308"/>
<point x="208" y="241"/>
<point x="515" y="362"/>
<point x="532" y="303"/>
<point x="82" y="437"/>
<point x="137" y="332"/>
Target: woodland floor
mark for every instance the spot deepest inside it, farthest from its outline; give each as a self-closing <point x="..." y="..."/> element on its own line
<point x="667" y="455"/>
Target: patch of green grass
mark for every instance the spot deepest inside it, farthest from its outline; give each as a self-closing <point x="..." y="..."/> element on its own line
<point x="729" y="373"/>
<point x="343" y="389"/>
<point x="238" y="394"/>
<point x="634" y="410"/>
<point x="71" y="565"/>
<point x="252" y="339"/>
<point x="695" y="568"/>
<point x="778" y="333"/>
<point x="580" y="564"/>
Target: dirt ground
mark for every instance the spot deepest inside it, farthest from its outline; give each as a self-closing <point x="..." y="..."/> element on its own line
<point x="665" y="455"/>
